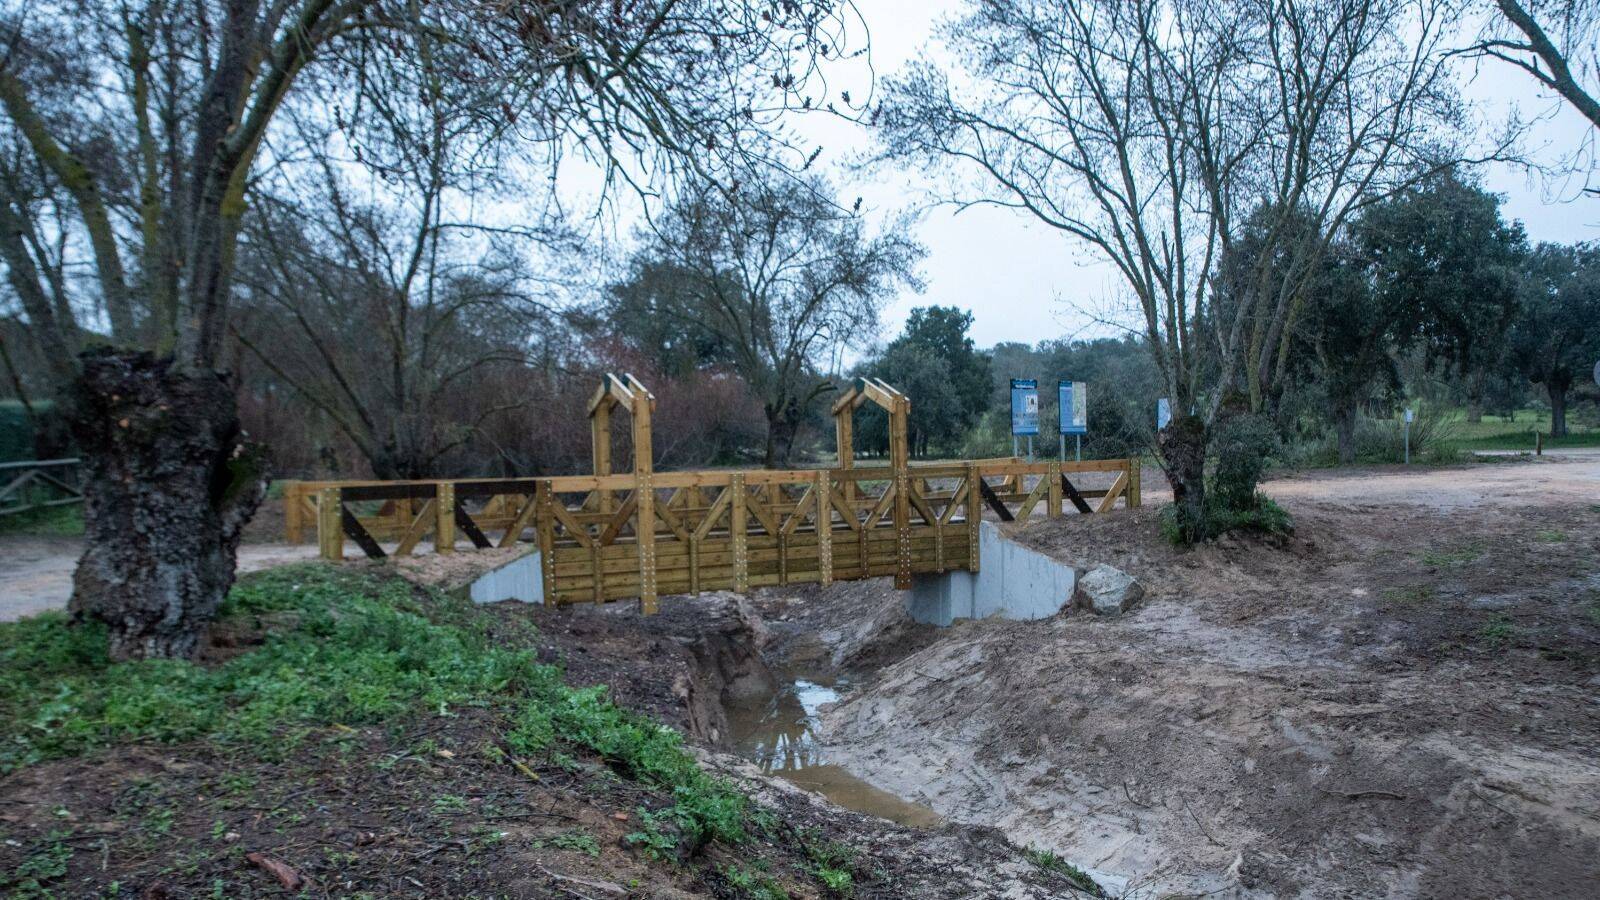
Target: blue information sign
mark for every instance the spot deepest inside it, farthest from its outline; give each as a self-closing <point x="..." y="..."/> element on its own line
<point x="1074" y="408"/>
<point x="1024" y="406"/>
<point x="1163" y="413"/>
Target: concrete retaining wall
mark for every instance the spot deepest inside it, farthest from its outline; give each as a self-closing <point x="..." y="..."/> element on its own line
<point x="1013" y="582"/>
<point x="516" y="580"/>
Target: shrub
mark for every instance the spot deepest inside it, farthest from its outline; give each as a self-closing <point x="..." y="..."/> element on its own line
<point x="1241" y="446"/>
<point x="1381" y="441"/>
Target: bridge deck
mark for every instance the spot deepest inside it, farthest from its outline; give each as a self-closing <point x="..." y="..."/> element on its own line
<point x="611" y="537"/>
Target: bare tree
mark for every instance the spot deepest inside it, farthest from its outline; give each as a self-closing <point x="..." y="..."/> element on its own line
<point x="148" y="123"/>
<point x="776" y="276"/>
<point x="1557" y="42"/>
<point x="1151" y="130"/>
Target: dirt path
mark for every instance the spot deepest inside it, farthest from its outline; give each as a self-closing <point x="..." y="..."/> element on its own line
<point x="1399" y="703"/>
<point x="36" y="572"/>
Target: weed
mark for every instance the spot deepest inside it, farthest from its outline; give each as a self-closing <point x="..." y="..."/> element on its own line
<point x="159" y="820"/>
<point x="655" y="842"/>
<point x="46" y="863"/>
<point x="1497" y="633"/>
<point x="1458" y="556"/>
<point x="449" y="804"/>
<point x="1410" y="593"/>
<point x="755" y="885"/>
<point x="833" y="863"/>
<point x="1050" y="862"/>
<point x="1551" y="536"/>
<point x="572" y="840"/>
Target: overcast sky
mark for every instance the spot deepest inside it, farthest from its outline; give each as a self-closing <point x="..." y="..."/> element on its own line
<point x="1025" y="282"/>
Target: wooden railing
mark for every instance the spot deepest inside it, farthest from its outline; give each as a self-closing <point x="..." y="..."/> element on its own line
<point x="39" y="483"/>
<point x="607" y="537"/>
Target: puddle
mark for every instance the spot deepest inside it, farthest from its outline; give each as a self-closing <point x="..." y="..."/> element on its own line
<point x="779" y="735"/>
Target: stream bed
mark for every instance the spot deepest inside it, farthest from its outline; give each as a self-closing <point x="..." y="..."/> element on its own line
<point x="779" y="734"/>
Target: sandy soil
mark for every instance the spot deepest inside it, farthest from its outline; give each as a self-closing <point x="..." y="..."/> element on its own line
<point x="1399" y="702"/>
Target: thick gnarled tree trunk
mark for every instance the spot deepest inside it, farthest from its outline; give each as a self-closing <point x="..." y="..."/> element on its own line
<point x="168" y="486"/>
<point x="1182" y="445"/>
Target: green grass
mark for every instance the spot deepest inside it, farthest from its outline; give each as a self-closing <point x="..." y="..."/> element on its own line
<point x="48" y="521"/>
<point x="1502" y="433"/>
<point x="1551" y="536"/>
<point x="1450" y="557"/>
<point x="1415" y="593"/>
<point x="344" y="649"/>
<point x="1497" y="633"/>
<point x="1050" y="862"/>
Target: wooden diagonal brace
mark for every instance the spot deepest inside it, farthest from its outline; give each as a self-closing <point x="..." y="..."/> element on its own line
<point x="993" y="501"/>
<point x="1073" y="495"/>
<point x="358" y="533"/>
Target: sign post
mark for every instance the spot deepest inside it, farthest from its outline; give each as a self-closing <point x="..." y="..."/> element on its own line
<point x="1024" y="412"/>
<point x="1410" y="415"/>
<point x="1074" y="414"/>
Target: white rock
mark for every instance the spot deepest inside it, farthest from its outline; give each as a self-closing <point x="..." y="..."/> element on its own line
<point x="1107" y="591"/>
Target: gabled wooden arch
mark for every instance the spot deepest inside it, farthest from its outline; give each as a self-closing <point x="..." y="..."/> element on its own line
<point x="876" y="391"/>
<point x="630" y="394"/>
<point x="898" y="406"/>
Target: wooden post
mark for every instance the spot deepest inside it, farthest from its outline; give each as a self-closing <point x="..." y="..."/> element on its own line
<point x="974" y="514"/>
<point x="1134" y="464"/>
<point x="644" y="495"/>
<point x="843" y="427"/>
<point x="600" y="452"/>
<point x="900" y="460"/>
<point x="330" y="527"/>
<point x="844" y="445"/>
<point x="736" y="529"/>
<point x="546" y="528"/>
<point x="824" y="528"/>
<point x="444" y="529"/>
<point x="1054" y="477"/>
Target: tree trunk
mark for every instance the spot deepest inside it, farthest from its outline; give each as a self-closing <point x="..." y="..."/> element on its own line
<point x="781" y="429"/>
<point x="168" y="487"/>
<point x="1182" y="445"/>
<point x="1346" y="426"/>
<point x="1558" y="408"/>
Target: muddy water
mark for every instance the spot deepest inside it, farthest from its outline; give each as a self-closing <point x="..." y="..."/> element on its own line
<point x="778" y="733"/>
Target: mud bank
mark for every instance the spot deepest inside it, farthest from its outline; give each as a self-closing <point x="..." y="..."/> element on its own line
<point x="717" y="668"/>
<point x="1343" y="715"/>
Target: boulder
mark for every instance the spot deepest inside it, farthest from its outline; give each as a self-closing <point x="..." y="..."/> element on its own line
<point x="1107" y="591"/>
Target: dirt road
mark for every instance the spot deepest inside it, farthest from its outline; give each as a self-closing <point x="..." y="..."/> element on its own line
<point x="36" y="572"/>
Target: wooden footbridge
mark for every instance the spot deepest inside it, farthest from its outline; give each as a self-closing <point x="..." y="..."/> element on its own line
<point x="610" y="536"/>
